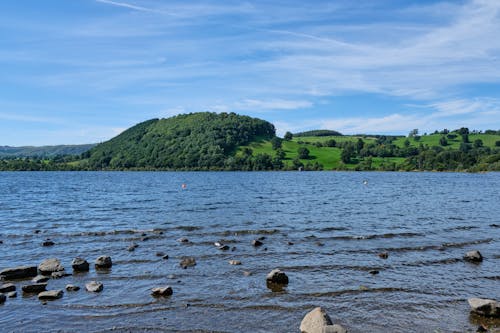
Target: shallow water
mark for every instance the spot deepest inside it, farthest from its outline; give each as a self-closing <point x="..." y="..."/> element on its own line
<point x="337" y="224"/>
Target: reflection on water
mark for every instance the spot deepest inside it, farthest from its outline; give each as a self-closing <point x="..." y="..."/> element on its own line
<point x="325" y="230"/>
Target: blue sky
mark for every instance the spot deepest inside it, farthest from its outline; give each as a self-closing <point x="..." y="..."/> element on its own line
<point x="81" y="71"/>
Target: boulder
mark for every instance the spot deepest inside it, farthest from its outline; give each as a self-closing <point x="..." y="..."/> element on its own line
<point x="473" y="256"/>
<point x="318" y="321"/>
<point x="103" y="262"/>
<point x="40" y="279"/>
<point x="277" y="276"/>
<point x="21" y="272"/>
<point x="5" y="288"/>
<point x="50" y="295"/>
<point x="48" y="266"/>
<point x="187" y="262"/>
<point x="72" y="287"/>
<point x="162" y="291"/>
<point x="234" y="262"/>
<point x="34" y="288"/>
<point x="3" y="298"/>
<point x="80" y="265"/>
<point x="485" y="307"/>
<point x="94" y="286"/>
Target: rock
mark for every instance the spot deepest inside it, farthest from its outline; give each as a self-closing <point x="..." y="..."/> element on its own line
<point x="165" y="257"/>
<point x="473" y="256"/>
<point x="103" y="262"/>
<point x="50" y="295"/>
<point x="20" y="272"/>
<point x="315" y="321"/>
<point x="40" y="279"/>
<point x="261" y="238"/>
<point x="224" y="247"/>
<point x="162" y="291"/>
<point x="34" y="288"/>
<point x="234" y="262"/>
<point x="80" y="265"/>
<point x="183" y="240"/>
<point x="72" y="287"/>
<point x="318" y="321"/>
<point x="187" y="262"/>
<point x="48" y="266"/>
<point x="383" y="255"/>
<point x="247" y="273"/>
<point x="257" y="243"/>
<point x="289" y="243"/>
<point x="160" y="254"/>
<point x="132" y="247"/>
<point x="94" y="286"/>
<point x="3" y="298"/>
<point x="48" y="242"/>
<point x="374" y="272"/>
<point x="59" y="275"/>
<point x="144" y="238"/>
<point x="481" y="329"/>
<point x="5" y="288"/>
<point x="485" y="307"/>
<point x="277" y="276"/>
<point x="12" y="294"/>
<point x="218" y="244"/>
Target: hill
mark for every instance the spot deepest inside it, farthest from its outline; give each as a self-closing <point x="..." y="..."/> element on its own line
<point x="43" y="151"/>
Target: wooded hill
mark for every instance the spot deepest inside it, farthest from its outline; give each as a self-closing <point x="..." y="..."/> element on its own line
<point x="227" y="141"/>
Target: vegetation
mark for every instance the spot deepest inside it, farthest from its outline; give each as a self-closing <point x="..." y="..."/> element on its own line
<point x="44" y="151"/>
<point x="226" y="141"/>
<point x="318" y="133"/>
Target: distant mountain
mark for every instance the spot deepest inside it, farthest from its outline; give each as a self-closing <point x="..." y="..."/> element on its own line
<point x="195" y="141"/>
<point x="43" y="151"/>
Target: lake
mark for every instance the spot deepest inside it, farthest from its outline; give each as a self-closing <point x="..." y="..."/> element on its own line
<point x="323" y="229"/>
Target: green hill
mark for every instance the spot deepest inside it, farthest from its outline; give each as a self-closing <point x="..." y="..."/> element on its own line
<point x="43" y="151"/>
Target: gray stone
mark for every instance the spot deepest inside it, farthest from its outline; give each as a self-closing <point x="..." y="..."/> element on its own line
<point x="183" y="240"/>
<point x="315" y="321"/>
<point x="334" y="329"/>
<point x="162" y="291"/>
<point x="50" y="295"/>
<point x="257" y="243"/>
<point x="103" y="262"/>
<point x="72" y="287"/>
<point x="485" y="307"/>
<point x="80" y="265"/>
<point x="5" y="288"/>
<point x="234" y="262"/>
<point x="40" y="279"/>
<point x="224" y="247"/>
<point x="12" y="294"/>
<point x="132" y="247"/>
<point x="277" y="276"/>
<point x="34" y="288"/>
<point x="48" y="266"/>
<point x="187" y="262"/>
<point x="21" y="272"/>
<point x="3" y="298"/>
<point x="59" y="275"/>
<point x="473" y="256"/>
<point x="94" y="286"/>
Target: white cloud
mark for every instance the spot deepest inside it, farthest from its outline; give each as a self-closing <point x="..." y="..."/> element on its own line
<point x="273" y="104"/>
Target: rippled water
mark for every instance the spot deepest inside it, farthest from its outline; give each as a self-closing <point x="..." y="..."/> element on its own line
<point x="337" y="224"/>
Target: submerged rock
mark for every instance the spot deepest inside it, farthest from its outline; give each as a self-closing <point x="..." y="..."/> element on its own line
<point x="132" y="247"/>
<point x="34" y="288"/>
<point x="94" y="286"/>
<point x="72" y="287"/>
<point x="473" y="256"/>
<point x="187" y="262"/>
<point x="48" y="266"/>
<point x="224" y="247"/>
<point x="103" y="262"/>
<point x="59" y="275"/>
<point x="183" y="240"/>
<point x="20" y="272"/>
<point x="383" y="255"/>
<point x="234" y="262"/>
<point x="80" y="265"/>
<point x="12" y="294"/>
<point x="277" y="276"/>
<point x="257" y="243"/>
<point x="162" y="291"/>
<point x="50" y="295"/>
<point x="485" y="307"/>
<point x="3" y="298"/>
<point x="40" y="279"/>
<point x="5" y="288"/>
<point x="318" y="321"/>
<point x="48" y="242"/>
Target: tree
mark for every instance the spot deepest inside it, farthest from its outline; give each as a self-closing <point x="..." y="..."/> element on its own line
<point x="330" y="143"/>
<point x="359" y="145"/>
<point x="497" y="143"/>
<point x="347" y="153"/>
<point x="407" y="143"/>
<point x="443" y="141"/>
<point x="276" y="143"/>
<point x="478" y="143"/>
<point x="303" y="153"/>
<point x="280" y="154"/>
<point x="288" y="136"/>
<point x="413" y="133"/>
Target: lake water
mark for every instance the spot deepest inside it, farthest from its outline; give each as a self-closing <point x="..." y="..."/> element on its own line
<point x="338" y="225"/>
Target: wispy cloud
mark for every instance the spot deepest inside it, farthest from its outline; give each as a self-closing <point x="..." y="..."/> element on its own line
<point x="273" y="104"/>
<point x="127" y="5"/>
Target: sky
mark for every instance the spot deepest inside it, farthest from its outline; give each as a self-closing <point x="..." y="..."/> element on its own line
<point x="82" y="71"/>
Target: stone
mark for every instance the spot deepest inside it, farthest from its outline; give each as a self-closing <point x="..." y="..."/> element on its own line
<point x="473" y="256"/>
<point x="132" y="247"/>
<point x="187" y="262"/>
<point x="12" y="294"/>
<point x="20" y="272"/>
<point x="165" y="257"/>
<point x="59" y="275"/>
<point x="80" y="265"/>
<point x="50" y="295"/>
<point x="94" y="286"/>
<point x="48" y="242"/>
<point x="485" y="307"/>
<point x="40" y="279"/>
<point x="5" y="288"/>
<point x="234" y="262"/>
<point x="162" y="291"/>
<point x="315" y="321"/>
<point x="72" y="287"/>
<point x="48" y="266"/>
<point x="34" y="288"/>
<point x="247" y="273"/>
<point x="160" y="254"/>
<point x="277" y="276"/>
<point x="103" y="262"/>
<point x="183" y="240"/>
<point x="257" y="243"/>
<point x="3" y="298"/>
<point x="334" y="329"/>
<point x="146" y="238"/>
<point x="224" y="247"/>
<point x="383" y="255"/>
<point x="374" y="272"/>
